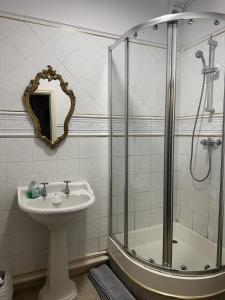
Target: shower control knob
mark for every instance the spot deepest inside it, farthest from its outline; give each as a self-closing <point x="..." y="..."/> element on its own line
<point x="203" y="142"/>
<point x="218" y="142"/>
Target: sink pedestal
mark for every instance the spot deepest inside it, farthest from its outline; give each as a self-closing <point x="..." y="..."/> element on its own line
<point x="58" y="284"/>
<point x="55" y="211"/>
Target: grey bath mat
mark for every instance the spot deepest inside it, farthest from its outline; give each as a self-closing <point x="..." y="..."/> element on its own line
<point x="107" y="284"/>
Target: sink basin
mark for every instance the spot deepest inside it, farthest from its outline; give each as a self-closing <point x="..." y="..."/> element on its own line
<point x="57" y="208"/>
<point x="55" y="211"/>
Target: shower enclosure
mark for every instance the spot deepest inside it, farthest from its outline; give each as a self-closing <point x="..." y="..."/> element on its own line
<point x="166" y="89"/>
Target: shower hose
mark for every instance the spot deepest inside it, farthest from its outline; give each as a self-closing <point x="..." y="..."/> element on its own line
<point x="193" y="136"/>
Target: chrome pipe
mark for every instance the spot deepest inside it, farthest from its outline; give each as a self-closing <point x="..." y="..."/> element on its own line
<point x="126" y="143"/>
<point x="169" y="144"/>
<point x="222" y="189"/>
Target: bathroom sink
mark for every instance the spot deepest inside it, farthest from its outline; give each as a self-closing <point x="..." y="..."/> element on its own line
<point x="57" y="202"/>
<point x="55" y="211"/>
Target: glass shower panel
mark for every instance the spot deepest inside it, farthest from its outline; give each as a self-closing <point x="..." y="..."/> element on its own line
<point x="118" y="140"/>
<point x="196" y="195"/>
<point x="146" y="116"/>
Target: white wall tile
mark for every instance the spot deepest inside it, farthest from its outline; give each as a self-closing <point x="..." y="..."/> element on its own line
<point x="103" y="243"/>
<point x="69" y="149"/>
<point x="141" y="219"/>
<point x="23" y="262"/>
<point x="104" y="206"/>
<point x="141" y="146"/>
<point x="68" y="169"/>
<point x="41" y="259"/>
<point x="186" y="217"/>
<point x="20" y="221"/>
<point x="10" y="56"/>
<point x="142" y="201"/>
<point x="200" y="224"/>
<point x="89" y="228"/>
<point x="157" y="145"/>
<point x="24" y="40"/>
<point x="42" y="151"/>
<point x="18" y="149"/>
<point x="73" y="251"/>
<point x="88" y="246"/>
<point x="157" y="163"/>
<point x="142" y="182"/>
<point x="45" y="171"/>
<point x="156" y="217"/>
<point x="156" y="198"/>
<point x="141" y="164"/>
<point x="73" y="232"/>
<point x="19" y="173"/>
<point x="103" y="226"/>
<point x="21" y="242"/>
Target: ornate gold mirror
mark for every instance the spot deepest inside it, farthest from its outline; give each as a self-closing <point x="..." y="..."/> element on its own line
<point x="50" y="105"/>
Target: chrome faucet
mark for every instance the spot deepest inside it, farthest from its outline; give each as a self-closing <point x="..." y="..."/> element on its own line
<point x="44" y="190"/>
<point x="67" y="189"/>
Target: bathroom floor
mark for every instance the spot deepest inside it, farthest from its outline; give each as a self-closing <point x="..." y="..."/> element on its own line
<point x="85" y="289"/>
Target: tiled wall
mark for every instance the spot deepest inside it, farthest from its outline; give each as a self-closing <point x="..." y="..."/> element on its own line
<point x="24" y="243"/>
<point x="25" y="49"/>
<point x="145" y="182"/>
<point x="147" y="80"/>
<point x="197" y="203"/>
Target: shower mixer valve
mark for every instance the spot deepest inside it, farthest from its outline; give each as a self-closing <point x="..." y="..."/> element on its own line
<point x="211" y="142"/>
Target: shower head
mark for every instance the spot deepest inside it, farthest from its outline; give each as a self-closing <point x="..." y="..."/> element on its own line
<point x="200" y="54"/>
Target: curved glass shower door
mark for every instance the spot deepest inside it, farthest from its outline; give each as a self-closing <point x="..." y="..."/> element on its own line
<point x="200" y="72"/>
<point x="146" y="112"/>
<point x="167" y="90"/>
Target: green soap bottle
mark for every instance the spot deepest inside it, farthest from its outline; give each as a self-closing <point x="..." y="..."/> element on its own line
<point x="33" y="189"/>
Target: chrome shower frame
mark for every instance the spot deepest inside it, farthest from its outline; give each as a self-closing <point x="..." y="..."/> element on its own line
<point x="166" y="266"/>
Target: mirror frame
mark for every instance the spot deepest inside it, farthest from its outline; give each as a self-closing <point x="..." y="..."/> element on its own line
<point x="50" y="75"/>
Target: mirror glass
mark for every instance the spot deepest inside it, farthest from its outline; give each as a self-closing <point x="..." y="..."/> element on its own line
<point x="50" y="105"/>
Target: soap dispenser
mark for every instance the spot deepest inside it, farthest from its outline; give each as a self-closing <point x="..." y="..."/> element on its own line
<point x="33" y="189"/>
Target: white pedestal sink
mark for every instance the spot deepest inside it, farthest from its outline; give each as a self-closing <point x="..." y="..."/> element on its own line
<point x="55" y="211"/>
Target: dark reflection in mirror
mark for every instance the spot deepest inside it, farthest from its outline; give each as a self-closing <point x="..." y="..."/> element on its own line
<point x="41" y="106"/>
